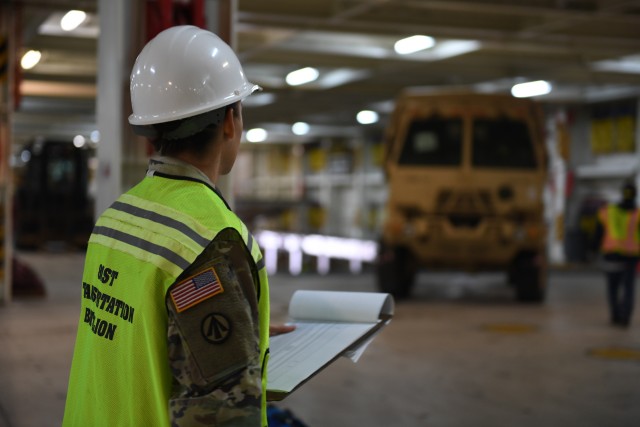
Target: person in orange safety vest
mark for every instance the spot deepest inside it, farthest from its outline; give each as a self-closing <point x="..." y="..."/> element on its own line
<point x="619" y="236"/>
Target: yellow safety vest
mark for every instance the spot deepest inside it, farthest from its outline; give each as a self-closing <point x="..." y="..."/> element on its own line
<point x="120" y="373"/>
<point x="621" y="234"/>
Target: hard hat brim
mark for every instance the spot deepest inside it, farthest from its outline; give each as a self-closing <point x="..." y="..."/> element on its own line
<point x="237" y="95"/>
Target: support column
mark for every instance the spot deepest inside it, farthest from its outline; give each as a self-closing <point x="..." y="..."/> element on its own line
<point x="637" y="142"/>
<point x="220" y="18"/>
<point x="7" y="76"/>
<point x="555" y="122"/>
<point x="113" y="75"/>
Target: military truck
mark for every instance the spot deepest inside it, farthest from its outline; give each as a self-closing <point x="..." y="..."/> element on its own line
<point x="465" y="176"/>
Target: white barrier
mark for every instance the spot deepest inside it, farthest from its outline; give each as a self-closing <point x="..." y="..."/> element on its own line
<point x="325" y="248"/>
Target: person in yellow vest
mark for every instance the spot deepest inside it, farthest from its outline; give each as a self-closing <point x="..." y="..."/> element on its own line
<point x="619" y="236"/>
<point x="174" y="322"/>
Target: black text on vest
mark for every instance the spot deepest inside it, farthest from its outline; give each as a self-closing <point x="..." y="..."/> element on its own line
<point x="105" y="274"/>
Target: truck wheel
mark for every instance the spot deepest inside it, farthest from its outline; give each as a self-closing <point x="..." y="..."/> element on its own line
<point x="529" y="277"/>
<point x="395" y="271"/>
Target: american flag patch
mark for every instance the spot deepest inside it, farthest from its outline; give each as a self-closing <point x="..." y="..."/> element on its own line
<point x="196" y="289"/>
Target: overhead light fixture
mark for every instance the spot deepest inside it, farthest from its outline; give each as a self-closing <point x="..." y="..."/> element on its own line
<point x="302" y="76"/>
<point x="256" y="135"/>
<point x="25" y="156"/>
<point x="413" y="44"/>
<point x="626" y="64"/>
<point x="72" y="20"/>
<point x="259" y="100"/>
<point x="367" y="117"/>
<point x="341" y="76"/>
<point x="79" y="141"/>
<point x="529" y="89"/>
<point x="300" y="128"/>
<point x="30" y="59"/>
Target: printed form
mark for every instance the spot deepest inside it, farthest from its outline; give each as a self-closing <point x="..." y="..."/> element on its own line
<point x="328" y="325"/>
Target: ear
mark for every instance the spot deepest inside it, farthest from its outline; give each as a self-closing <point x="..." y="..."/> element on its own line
<point x="229" y="125"/>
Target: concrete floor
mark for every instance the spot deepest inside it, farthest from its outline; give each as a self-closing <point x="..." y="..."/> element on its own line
<point x="460" y="353"/>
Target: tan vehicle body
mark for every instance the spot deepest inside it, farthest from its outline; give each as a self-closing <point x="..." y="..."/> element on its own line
<point x="470" y="214"/>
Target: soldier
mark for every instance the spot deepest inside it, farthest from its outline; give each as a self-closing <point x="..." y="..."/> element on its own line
<point x="175" y="306"/>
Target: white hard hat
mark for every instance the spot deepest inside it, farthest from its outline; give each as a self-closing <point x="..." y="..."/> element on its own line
<point x="185" y="71"/>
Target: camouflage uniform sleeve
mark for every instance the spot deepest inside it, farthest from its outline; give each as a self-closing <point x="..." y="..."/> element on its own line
<point x="214" y="347"/>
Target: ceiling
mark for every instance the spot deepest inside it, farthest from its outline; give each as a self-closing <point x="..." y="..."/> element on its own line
<point x="589" y="50"/>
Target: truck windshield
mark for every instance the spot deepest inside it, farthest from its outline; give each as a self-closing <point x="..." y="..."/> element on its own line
<point x="433" y="141"/>
<point x="502" y="143"/>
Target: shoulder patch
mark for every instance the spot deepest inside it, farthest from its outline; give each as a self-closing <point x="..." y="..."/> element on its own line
<point x="196" y="289"/>
<point x="216" y="328"/>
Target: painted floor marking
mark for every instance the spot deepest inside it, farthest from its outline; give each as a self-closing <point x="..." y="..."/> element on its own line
<point x="510" y="328"/>
<point x="615" y="353"/>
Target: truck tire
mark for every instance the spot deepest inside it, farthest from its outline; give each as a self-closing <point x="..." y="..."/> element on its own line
<point x="395" y="271"/>
<point x="529" y="277"/>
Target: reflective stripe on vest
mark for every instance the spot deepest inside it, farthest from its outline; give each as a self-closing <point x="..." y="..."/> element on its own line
<point x="621" y="234"/>
<point x="253" y="247"/>
<point x="153" y="232"/>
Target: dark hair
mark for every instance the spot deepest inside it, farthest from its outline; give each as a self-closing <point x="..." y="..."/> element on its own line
<point x="629" y="190"/>
<point x="190" y="134"/>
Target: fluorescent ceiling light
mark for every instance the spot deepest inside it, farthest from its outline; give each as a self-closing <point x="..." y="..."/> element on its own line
<point x="258" y="100"/>
<point x="340" y="76"/>
<point x="626" y="64"/>
<point x="282" y="132"/>
<point x="30" y="59"/>
<point x="72" y="20"/>
<point x="450" y="48"/>
<point x="256" y="135"/>
<point x="366" y="46"/>
<point x="367" y="117"/>
<point x="51" y="27"/>
<point x="79" y="141"/>
<point x="526" y="90"/>
<point x="302" y="76"/>
<point x="371" y="46"/>
<point x="300" y="128"/>
<point x="413" y="44"/>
